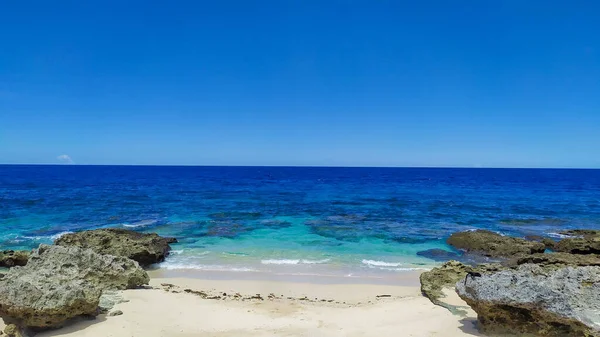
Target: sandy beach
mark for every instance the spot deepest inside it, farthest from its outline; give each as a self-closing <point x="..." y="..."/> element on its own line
<point x="201" y="306"/>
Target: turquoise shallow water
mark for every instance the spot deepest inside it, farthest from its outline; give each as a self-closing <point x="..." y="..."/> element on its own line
<point x="325" y="221"/>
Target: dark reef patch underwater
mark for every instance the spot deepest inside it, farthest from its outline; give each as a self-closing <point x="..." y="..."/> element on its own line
<point x="348" y="221"/>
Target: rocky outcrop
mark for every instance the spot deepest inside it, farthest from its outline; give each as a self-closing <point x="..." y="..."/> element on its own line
<point x="492" y="244"/>
<point x="583" y="241"/>
<point x="11" y="258"/>
<point x="146" y="249"/>
<point x="551" y="261"/>
<point x="434" y="281"/>
<point x="531" y="300"/>
<point x="59" y="283"/>
<point x="548" y="242"/>
<point x="586" y="233"/>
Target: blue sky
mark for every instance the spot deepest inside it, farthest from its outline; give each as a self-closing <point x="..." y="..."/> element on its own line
<point x="341" y="83"/>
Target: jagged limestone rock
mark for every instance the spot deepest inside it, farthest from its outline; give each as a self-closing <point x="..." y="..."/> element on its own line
<point x="555" y="260"/>
<point x="146" y="249"/>
<point x="434" y="282"/>
<point x="532" y="300"/>
<point x="584" y="241"/>
<point x="59" y="283"/>
<point x="11" y="258"/>
<point x="492" y="244"/>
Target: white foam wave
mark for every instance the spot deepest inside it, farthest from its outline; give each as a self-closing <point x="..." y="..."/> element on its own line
<point x="142" y="223"/>
<point x="293" y="261"/>
<point x="41" y="237"/>
<point x="58" y="235"/>
<point x="193" y="254"/>
<point x="315" y="261"/>
<point x="284" y="261"/>
<point x="183" y="266"/>
<point x="476" y="229"/>
<point x="403" y="269"/>
<point x="381" y="263"/>
<point x="560" y="236"/>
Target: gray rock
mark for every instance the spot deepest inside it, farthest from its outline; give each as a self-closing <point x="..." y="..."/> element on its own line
<point x="59" y="283"/>
<point x="434" y="282"/>
<point x="146" y="249"/>
<point x="109" y="299"/>
<point x="115" y="313"/>
<point x="492" y="244"/>
<point x="531" y="300"/>
<point x="12" y="330"/>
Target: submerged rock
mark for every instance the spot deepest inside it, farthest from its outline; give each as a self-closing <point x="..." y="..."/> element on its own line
<point x="492" y="244"/>
<point x="439" y="255"/>
<point x="146" y="249"/>
<point x="11" y="258"/>
<point x="59" y="283"/>
<point x="442" y="255"/>
<point x="531" y="300"/>
<point x="584" y="241"/>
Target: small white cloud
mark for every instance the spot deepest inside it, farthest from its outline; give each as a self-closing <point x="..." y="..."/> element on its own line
<point x="65" y="159"/>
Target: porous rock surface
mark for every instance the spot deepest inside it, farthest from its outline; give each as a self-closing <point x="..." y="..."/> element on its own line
<point x="59" y="283"/>
<point x="447" y="275"/>
<point x="582" y="242"/>
<point x="531" y="300"/>
<point x="11" y="258"/>
<point x="492" y="244"/>
<point x="146" y="249"/>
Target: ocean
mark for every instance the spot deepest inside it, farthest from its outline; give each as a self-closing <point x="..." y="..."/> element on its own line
<point x="294" y="220"/>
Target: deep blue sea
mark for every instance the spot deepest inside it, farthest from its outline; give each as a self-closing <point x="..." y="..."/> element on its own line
<point x="338" y="221"/>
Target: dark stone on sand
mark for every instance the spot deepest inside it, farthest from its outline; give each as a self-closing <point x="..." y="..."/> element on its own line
<point x="115" y="313"/>
<point x="146" y="249"/>
<point x="492" y="244"/>
<point x="11" y="330"/>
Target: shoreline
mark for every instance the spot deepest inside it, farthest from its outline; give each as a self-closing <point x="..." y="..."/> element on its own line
<point x="219" y="305"/>
<point x="405" y="278"/>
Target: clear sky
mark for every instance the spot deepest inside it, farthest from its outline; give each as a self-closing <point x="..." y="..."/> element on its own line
<point x="507" y="83"/>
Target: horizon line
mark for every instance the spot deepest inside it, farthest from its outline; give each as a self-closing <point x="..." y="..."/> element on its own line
<point x="311" y="166"/>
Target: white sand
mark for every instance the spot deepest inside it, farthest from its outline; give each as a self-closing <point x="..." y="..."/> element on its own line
<point x="160" y="312"/>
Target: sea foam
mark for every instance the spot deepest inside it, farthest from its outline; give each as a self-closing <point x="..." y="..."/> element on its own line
<point x="142" y="223"/>
<point x="175" y="266"/>
<point x="293" y="261"/>
<point x="381" y="263"/>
